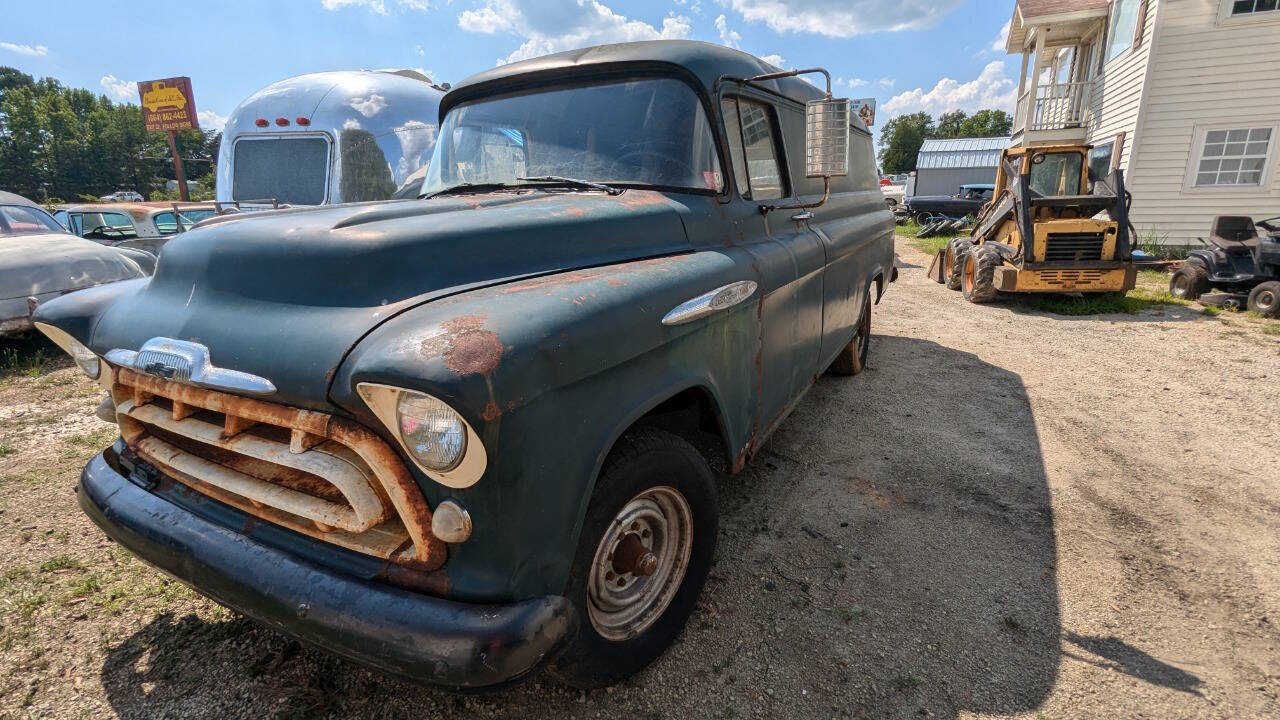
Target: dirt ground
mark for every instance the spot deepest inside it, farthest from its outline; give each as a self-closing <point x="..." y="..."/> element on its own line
<point x="1010" y="514"/>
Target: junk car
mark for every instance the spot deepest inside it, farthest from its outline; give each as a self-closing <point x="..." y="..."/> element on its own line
<point x="968" y="201"/>
<point x="141" y="225"/>
<point x="327" y="138"/>
<point x="452" y="437"/>
<point x="39" y="261"/>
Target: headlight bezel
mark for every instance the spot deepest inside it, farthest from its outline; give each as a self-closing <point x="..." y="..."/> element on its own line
<point x="87" y="360"/>
<point x="79" y="352"/>
<point x="384" y="401"/>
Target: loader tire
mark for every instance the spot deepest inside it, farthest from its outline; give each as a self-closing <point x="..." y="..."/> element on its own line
<point x="953" y="262"/>
<point x="979" y="280"/>
<point x="1189" y="282"/>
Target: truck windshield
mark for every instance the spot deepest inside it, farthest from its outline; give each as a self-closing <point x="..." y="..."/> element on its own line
<point x="1057" y="174"/>
<point x="636" y="132"/>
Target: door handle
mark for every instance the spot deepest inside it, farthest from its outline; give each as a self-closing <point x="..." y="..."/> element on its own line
<point x="802" y="216"/>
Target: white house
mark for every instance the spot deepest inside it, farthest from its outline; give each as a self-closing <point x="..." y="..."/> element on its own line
<point x="1184" y="95"/>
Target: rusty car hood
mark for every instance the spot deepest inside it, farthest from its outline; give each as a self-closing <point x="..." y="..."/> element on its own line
<point x="286" y="294"/>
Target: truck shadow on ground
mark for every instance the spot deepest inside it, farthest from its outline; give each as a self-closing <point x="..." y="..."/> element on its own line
<point x="890" y="553"/>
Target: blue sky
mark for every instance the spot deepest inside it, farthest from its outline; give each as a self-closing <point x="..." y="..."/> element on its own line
<point x="934" y="55"/>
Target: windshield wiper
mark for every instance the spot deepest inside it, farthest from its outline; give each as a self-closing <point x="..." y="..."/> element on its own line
<point x="572" y="182"/>
<point x="467" y="187"/>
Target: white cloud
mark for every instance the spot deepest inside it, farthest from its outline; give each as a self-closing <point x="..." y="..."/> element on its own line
<point x="117" y="89"/>
<point x="844" y="18"/>
<point x="376" y="6"/>
<point x="211" y="120"/>
<point x="32" y="50"/>
<point x="551" y="27"/>
<point x="775" y="60"/>
<point x="992" y="89"/>
<point x="885" y="82"/>
<point x="1003" y="39"/>
<point x="727" y="36"/>
<point x="417" y="49"/>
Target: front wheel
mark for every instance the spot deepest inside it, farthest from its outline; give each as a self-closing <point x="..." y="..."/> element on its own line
<point x="853" y="357"/>
<point x="1265" y="299"/>
<point x="1189" y="282"/>
<point x="978" y="281"/>
<point x="642" y="557"/>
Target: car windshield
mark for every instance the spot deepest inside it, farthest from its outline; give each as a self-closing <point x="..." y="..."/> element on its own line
<point x="634" y="132"/>
<point x="1057" y="174"/>
<point x="23" y="220"/>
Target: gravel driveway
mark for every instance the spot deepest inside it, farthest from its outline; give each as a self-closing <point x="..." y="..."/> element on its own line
<point x="1008" y="514"/>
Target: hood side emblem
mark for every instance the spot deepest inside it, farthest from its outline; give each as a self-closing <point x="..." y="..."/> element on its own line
<point x="188" y="362"/>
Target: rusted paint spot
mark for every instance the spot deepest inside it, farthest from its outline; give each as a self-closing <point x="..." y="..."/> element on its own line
<point x="616" y="282"/>
<point x="574" y="212"/>
<point x="491" y="412"/>
<point x="470" y="349"/>
<point x="637" y="199"/>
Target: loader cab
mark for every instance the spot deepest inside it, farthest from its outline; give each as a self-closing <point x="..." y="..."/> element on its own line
<point x="1052" y="170"/>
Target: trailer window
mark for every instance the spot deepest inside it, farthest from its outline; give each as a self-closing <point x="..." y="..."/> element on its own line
<point x="1056" y="174"/>
<point x="293" y="170"/>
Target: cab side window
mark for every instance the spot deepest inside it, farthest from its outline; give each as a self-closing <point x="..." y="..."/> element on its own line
<point x="753" y="148"/>
<point x="166" y="223"/>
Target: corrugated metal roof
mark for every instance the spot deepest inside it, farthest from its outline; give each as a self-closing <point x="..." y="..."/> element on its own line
<point x="961" y="153"/>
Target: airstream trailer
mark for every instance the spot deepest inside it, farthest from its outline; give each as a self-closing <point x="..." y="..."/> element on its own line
<point x="329" y="137"/>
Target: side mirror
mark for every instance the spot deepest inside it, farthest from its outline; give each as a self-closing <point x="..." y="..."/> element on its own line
<point x="827" y="138"/>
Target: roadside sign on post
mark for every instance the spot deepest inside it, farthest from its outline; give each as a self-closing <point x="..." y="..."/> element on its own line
<point x="168" y="106"/>
<point x="865" y="109"/>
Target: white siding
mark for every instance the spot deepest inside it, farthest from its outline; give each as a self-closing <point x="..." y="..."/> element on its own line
<point x="1118" y="89"/>
<point x="1207" y="73"/>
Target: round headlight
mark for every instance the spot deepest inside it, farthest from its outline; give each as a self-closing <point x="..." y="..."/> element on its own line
<point x="431" y="430"/>
<point x="85" y="358"/>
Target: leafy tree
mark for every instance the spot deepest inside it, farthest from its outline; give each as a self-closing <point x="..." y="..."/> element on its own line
<point x="902" y="137"/>
<point x="951" y="125"/>
<point x="66" y="142"/>
<point x="901" y="140"/>
<point x="987" y="123"/>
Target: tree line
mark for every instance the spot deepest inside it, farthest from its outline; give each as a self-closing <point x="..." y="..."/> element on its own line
<point x="902" y="136"/>
<point x="66" y="144"/>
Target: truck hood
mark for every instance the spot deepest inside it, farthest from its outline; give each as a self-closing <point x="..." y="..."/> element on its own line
<point x="286" y="294"/>
<point x="38" y="265"/>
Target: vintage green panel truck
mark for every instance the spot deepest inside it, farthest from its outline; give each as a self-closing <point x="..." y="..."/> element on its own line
<point x="450" y="437"/>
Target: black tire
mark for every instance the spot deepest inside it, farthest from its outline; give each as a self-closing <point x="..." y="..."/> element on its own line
<point x="979" y="279"/>
<point x="853" y="357"/>
<point x="1189" y="282"/>
<point x="953" y="261"/>
<point x="1265" y="299"/>
<point x="642" y="461"/>
<point x="922" y="218"/>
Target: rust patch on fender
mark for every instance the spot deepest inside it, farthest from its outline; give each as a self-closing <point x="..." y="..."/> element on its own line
<point x="491" y="412"/>
<point x="466" y="346"/>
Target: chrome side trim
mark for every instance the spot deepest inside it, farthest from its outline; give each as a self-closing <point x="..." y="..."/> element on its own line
<point x="187" y="362"/>
<point x="722" y="298"/>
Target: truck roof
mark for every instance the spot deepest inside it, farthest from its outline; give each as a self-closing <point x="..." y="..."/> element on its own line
<point x="706" y="62"/>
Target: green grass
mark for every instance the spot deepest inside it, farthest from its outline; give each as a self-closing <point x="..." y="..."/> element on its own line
<point x="929" y="245"/>
<point x="1271" y="328"/>
<point x="1212" y="311"/>
<point x="6" y="450"/>
<point x="60" y="562"/>
<point x="1132" y="303"/>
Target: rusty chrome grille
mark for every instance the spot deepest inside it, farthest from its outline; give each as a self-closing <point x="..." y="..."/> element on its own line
<point x="1066" y="247"/>
<point x="311" y="472"/>
<point x="1070" y="278"/>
